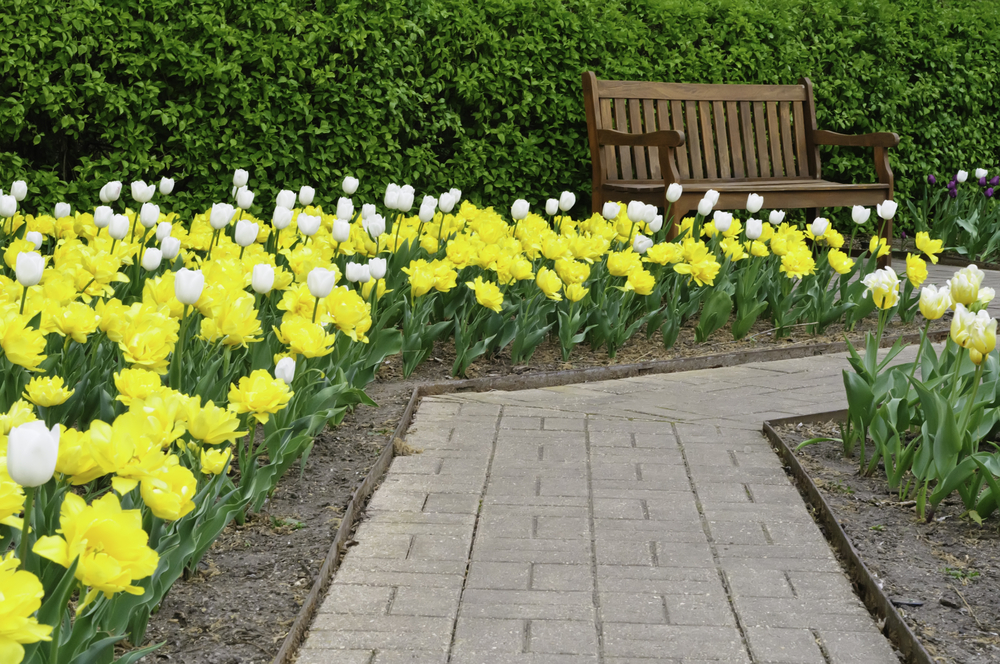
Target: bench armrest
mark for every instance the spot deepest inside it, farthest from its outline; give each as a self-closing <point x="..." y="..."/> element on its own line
<point x="665" y="138"/>
<point x="883" y="139"/>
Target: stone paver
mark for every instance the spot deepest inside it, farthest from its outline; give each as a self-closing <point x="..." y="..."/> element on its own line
<point x="639" y="520"/>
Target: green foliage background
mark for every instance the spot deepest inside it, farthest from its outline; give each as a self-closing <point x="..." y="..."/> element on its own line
<point x="483" y="95"/>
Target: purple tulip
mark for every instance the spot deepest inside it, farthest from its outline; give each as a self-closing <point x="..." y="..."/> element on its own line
<point x="952" y="193"/>
<point x="995" y="180"/>
<point x="989" y="193"/>
<point x="931" y="179"/>
<point x="982" y="181"/>
<point x="953" y="183"/>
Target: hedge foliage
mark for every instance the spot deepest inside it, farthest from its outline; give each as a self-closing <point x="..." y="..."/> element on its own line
<point x="484" y="95"/>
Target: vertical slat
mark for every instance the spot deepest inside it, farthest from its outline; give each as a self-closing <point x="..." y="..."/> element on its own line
<point x="610" y="158"/>
<point x="649" y="115"/>
<point x="721" y="138"/>
<point x="784" y="108"/>
<point x="774" y="138"/>
<point x="707" y="140"/>
<point x="734" y="139"/>
<point x="621" y="122"/>
<point x="638" y="152"/>
<point x="677" y="124"/>
<point x="693" y="140"/>
<point x="761" y="131"/>
<point x="748" y="139"/>
<point x="798" y="117"/>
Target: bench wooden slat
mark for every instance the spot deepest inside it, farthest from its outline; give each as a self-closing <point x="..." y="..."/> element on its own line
<point x="699" y="92"/>
<point x="721" y="138"/>
<point x="751" y="158"/>
<point x="649" y="115"/>
<point x="734" y="139"/>
<point x="610" y="158"/>
<point x="786" y="138"/>
<point x="638" y="152"/>
<point x="691" y="116"/>
<point x="761" y="131"/>
<point x="624" y="153"/>
<point x="798" y="119"/>
<point x="774" y="138"/>
<point x="677" y="124"/>
<point x="707" y="140"/>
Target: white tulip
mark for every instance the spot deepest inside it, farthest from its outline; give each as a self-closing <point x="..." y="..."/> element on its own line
<point x="776" y="217"/>
<point x="306" y="195"/>
<point x="391" y="198"/>
<point x="28" y="268"/>
<point x="111" y="191"/>
<point x="244" y="198"/>
<point x="377" y="267"/>
<point x="345" y="208"/>
<point x="962" y="176"/>
<point x="981" y="173"/>
<point x="375" y="225"/>
<point x="32" y="452"/>
<point x="674" y="192"/>
<point x="635" y="211"/>
<point x="818" y="226"/>
<point x="860" y="214"/>
<point x="221" y="215"/>
<point x="456" y="194"/>
<point x="722" y="220"/>
<point x="262" y="278"/>
<point x="149" y="214"/>
<point x="446" y="202"/>
<point x="240" y="178"/>
<point x="170" y="247"/>
<point x="308" y="223"/>
<point x="246" y="233"/>
<point x="163" y="230"/>
<point x="656" y="224"/>
<point x="641" y="243"/>
<point x="610" y="210"/>
<point x="8" y="206"/>
<point x="118" y="228"/>
<point x="151" y="258"/>
<point x="428" y="207"/>
<point x="321" y="281"/>
<point x="281" y="218"/>
<point x="986" y="294"/>
<point x="552" y="206"/>
<point x="649" y="213"/>
<point x="188" y="285"/>
<point x="519" y="210"/>
<point x="63" y="210"/>
<point x="341" y="230"/>
<point x="141" y="192"/>
<point x="102" y="216"/>
<point x="35" y="238"/>
<point x="754" y="228"/>
<point x="286" y="199"/>
<point x="350" y="185"/>
<point x="705" y="206"/>
<point x="166" y="186"/>
<point x="353" y="271"/>
<point x="367" y="210"/>
<point x="566" y="201"/>
<point x="713" y="196"/>
<point x="19" y="190"/>
<point x="405" y="200"/>
<point x="754" y="203"/>
<point x="285" y="370"/>
<point x="886" y="209"/>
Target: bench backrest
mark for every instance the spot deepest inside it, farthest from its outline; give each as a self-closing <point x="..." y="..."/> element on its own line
<point x="732" y="131"/>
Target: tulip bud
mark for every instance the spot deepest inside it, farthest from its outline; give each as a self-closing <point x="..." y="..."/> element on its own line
<point x="188" y="285"/>
<point x="19" y="190"/>
<point x="962" y="176"/>
<point x="375" y="226"/>
<point x="656" y="224"/>
<point x="240" y="178"/>
<point x="321" y="281"/>
<point x="306" y="195"/>
<point x="352" y="271"/>
<point x="364" y="274"/>
<point x="376" y="268"/>
<point x="35" y="238"/>
<point x="118" y="228"/>
<point x="635" y="211"/>
<point x="8" y="206"/>
<point x="674" y="192"/>
<point x="367" y="210"/>
<point x="262" y="278"/>
<point x="566" y="201"/>
<point x="641" y="243"/>
<point x="163" y="230"/>
<point x="519" y="210"/>
<point x="391" y="199"/>
<point x="456" y="194"/>
<point x="111" y="191"/>
<point x="886" y="209"/>
<point x="246" y="233"/>
<point x="281" y="218"/>
<point x="151" y="258"/>
<point x="63" y="210"/>
<point x="102" y="216"/>
<point x="244" y="198"/>
<point x="285" y="370"/>
<point x="713" y="196"/>
<point x="345" y="209"/>
<point x="981" y="173"/>
<point x="286" y="199"/>
<point x="934" y="302"/>
<point x="221" y="215"/>
<point x="754" y="228"/>
<point x="754" y="203"/>
<point x="141" y="192"/>
<point x="405" y="200"/>
<point x="32" y="451"/>
<point x="722" y="220"/>
<point x="149" y="214"/>
<point x="610" y="210"/>
<point x="350" y="185"/>
<point x="28" y="268"/>
<point x="446" y="202"/>
<point x="860" y="214"/>
<point x="552" y="206"/>
<point x="705" y="207"/>
<point x="308" y="224"/>
<point x="166" y="186"/>
<point x="819" y="226"/>
<point x="776" y="217"/>
<point x="648" y="213"/>
<point x="170" y="247"/>
<point x="341" y="230"/>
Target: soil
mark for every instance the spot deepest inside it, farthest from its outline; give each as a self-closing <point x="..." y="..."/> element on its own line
<point x="250" y="586"/>
<point x="943" y="576"/>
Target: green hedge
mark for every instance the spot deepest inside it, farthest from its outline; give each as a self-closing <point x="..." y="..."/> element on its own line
<point x="484" y="95"/>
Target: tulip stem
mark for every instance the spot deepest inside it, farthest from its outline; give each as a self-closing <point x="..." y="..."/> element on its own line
<point x="315" y="307"/>
<point x="920" y="349"/>
<point x="29" y="504"/>
<point x="24" y="296"/>
<point x="967" y="411"/>
<point x="242" y="249"/>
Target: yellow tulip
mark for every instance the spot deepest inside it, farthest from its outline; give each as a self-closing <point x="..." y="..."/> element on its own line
<point x="260" y="394"/>
<point x="549" y="283"/>
<point x="487" y="294"/>
<point x="21" y="597"/>
<point x="916" y="270"/>
<point x="47" y="391"/>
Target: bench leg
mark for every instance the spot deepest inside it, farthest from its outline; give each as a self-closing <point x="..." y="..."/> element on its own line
<point x="677" y="215"/>
<point x="812" y="213"/>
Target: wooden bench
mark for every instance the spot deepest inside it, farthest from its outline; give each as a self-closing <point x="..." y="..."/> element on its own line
<point x="736" y="139"/>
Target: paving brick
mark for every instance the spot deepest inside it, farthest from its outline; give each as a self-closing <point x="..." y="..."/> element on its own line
<point x="646" y="579"/>
<point x="838" y="615"/>
<point x="528" y="604"/>
<point x="508" y="549"/>
<point x="635" y="640"/>
<point x="564" y="423"/>
<point x="750" y="582"/>
<point x="562" y="577"/>
<point x="483" y="635"/>
<point x="424" y="601"/>
<point x="810" y="585"/>
<point x="309" y="655"/>
<point x="784" y="646"/>
<point x="451" y="503"/>
<point x="352" y="599"/>
<point x="403" y="656"/>
<point x="499" y="576"/>
<point x="562" y="637"/>
<point x="857" y="647"/>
